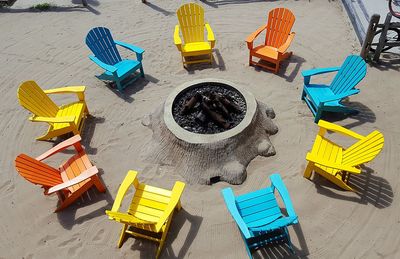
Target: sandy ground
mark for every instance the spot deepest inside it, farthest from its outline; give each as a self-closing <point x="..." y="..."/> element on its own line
<point x="49" y="48"/>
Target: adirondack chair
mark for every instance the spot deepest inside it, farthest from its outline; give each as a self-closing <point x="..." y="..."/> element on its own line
<point x="336" y="163"/>
<point x="61" y="119"/>
<point x="258" y="216"/>
<point x="72" y="179"/>
<point x="277" y="39"/>
<point x="150" y="212"/>
<point x="320" y="98"/>
<point x="106" y="56"/>
<point x="191" y="22"/>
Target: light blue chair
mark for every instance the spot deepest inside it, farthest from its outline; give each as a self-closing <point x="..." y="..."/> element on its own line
<point x="106" y="55"/>
<point x="258" y="216"/>
<point x="320" y="98"/>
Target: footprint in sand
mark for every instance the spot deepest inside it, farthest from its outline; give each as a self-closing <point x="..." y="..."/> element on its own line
<point x="99" y="235"/>
<point x="7" y="188"/>
<point x="43" y="241"/>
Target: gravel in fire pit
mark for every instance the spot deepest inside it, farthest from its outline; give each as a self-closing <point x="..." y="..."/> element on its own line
<point x="206" y="115"/>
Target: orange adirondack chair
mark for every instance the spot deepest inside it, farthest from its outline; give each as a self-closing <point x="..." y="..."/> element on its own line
<point x="70" y="181"/>
<point x="277" y="39"/>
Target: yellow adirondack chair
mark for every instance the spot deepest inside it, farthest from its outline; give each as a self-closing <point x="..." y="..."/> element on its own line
<point x="191" y="22"/>
<point x="150" y="212"/>
<point x="61" y="120"/>
<point x="336" y="163"/>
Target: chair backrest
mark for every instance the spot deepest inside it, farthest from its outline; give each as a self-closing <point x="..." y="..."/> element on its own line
<point x="364" y="150"/>
<point x="191" y="22"/>
<point x="352" y="71"/>
<point x="37" y="172"/>
<point x="280" y="22"/>
<point x="32" y="98"/>
<point x="102" y="44"/>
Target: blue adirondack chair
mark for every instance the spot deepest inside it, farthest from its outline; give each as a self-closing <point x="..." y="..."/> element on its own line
<point x="106" y="55"/>
<point x="258" y="216"/>
<point x="321" y="98"/>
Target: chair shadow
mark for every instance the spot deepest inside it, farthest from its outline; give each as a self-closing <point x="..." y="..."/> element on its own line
<point x="284" y="67"/>
<point x="87" y="135"/>
<point x="281" y="249"/>
<point x="370" y="188"/>
<point x="218" y="62"/>
<point x="67" y="216"/>
<point x="387" y="61"/>
<point x="364" y="115"/>
<point x="217" y="3"/>
<point x="132" y="88"/>
<point x="177" y="223"/>
<point x="158" y="9"/>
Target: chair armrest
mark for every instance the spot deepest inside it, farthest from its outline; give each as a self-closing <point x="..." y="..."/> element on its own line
<point x="253" y="36"/>
<point x="307" y="74"/>
<point x="103" y="65"/>
<point x="78" y="90"/>
<point x="126" y="218"/>
<point x="139" y="51"/>
<point x="230" y="202"/>
<point x="61" y="146"/>
<point x="130" y="179"/>
<point x="177" y="38"/>
<point x="176" y="194"/>
<point x="277" y="182"/>
<point x="82" y="177"/>
<point x="282" y="49"/>
<point x="329" y="164"/>
<point x="339" y="129"/>
<point x="210" y="35"/>
<point x="67" y="119"/>
<point x="340" y="96"/>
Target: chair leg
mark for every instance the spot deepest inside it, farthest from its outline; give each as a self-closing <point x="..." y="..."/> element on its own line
<point x="318" y="115"/>
<point x="122" y="235"/>
<point x="97" y="182"/>
<point x="141" y="71"/>
<point x="69" y="200"/>
<point x="250" y="60"/>
<point x="303" y="95"/>
<point x="164" y="235"/>
<point x="289" y="241"/>
<point x="178" y="206"/>
<point x="247" y="246"/>
<point x="119" y="85"/>
<point x="276" y="68"/>
<point x="308" y="172"/>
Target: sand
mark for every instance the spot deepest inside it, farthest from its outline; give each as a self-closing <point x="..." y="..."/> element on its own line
<point x="49" y="48"/>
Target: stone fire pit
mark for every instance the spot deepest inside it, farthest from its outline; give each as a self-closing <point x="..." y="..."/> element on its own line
<point x="207" y="157"/>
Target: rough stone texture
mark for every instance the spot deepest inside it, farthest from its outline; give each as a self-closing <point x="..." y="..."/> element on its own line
<point x="224" y="160"/>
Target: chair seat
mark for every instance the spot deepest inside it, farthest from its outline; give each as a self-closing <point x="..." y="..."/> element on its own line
<point x="265" y="52"/>
<point x="197" y="48"/>
<point x="318" y="93"/>
<point x="73" y="168"/>
<point x="327" y="150"/>
<point x="124" y="67"/>
<point x="74" y="109"/>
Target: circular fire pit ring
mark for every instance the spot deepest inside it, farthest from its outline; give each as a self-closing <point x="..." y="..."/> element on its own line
<point x="196" y="138"/>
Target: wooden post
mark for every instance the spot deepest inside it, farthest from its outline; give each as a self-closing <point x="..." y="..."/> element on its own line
<point x="84" y="3"/>
<point x="382" y="39"/>
<point x="373" y="25"/>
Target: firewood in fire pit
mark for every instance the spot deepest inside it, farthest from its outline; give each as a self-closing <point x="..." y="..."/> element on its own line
<point x="217" y="118"/>
<point x="191" y="103"/>
<point x="229" y="104"/>
<point x="201" y="117"/>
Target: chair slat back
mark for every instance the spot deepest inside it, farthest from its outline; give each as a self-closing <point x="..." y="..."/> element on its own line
<point x="352" y="71"/>
<point x="32" y="98"/>
<point x="364" y="150"/>
<point x="101" y="43"/>
<point x="191" y="22"/>
<point x="280" y="23"/>
<point x="37" y="172"/>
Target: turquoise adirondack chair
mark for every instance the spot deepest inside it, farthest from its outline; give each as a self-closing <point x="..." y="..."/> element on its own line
<point x="258" y="216"/>
<point x="320" y="98"/>
<point x="106" y="55"/>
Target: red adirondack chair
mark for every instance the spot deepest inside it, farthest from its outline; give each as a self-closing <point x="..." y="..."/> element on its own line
<point x="74" y="177"/>
<point x="277" y="39"/>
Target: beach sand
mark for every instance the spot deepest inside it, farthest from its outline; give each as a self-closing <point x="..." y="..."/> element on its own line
<point x="49" y="47"/>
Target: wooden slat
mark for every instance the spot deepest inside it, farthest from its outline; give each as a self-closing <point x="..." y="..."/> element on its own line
<point x="152" y="196"/>
<point x="262" y="215"/>
<point x="255" y="200"/>
<point x="149" y="203"/>
<point x="258" y="207"/>
<point x="155" y="190"/>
